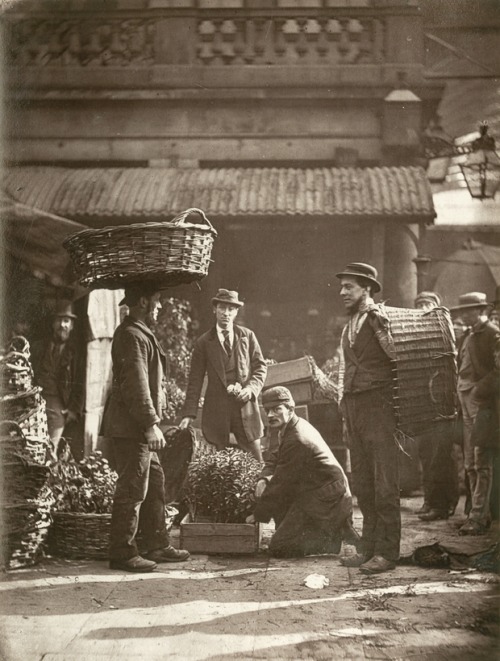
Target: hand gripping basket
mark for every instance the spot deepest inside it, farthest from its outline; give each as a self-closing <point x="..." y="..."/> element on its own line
<point x="170" y="253"/>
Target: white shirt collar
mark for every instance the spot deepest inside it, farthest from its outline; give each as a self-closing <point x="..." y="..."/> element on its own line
<point x="220" y="334"/>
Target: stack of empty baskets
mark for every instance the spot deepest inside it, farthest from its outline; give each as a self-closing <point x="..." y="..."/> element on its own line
<point x="426" y="370"/>
<point x="24" y="447"/>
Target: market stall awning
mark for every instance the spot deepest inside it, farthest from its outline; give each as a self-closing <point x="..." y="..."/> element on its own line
<point x="121" y="194"/>
<point x="34" y="237"/>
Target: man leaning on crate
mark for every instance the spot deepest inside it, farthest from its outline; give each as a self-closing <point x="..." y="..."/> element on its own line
<point x="138" y="538"/>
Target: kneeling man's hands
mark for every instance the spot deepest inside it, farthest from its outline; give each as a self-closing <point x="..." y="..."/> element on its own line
<point x="154" y="437"/>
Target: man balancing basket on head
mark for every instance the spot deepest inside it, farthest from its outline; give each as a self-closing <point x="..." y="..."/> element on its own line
<point x="397" y="379"/>
<point x="144" y="259"/>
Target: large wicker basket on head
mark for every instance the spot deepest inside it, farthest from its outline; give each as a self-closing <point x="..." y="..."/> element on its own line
<point x="426" y="369"/>
<point x="171" y="253"/>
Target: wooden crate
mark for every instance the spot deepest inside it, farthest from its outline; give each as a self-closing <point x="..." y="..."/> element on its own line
<point x="213" y="538"/>
<point x="281" y="374"/>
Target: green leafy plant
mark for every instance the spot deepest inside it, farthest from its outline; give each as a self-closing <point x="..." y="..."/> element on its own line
<point x="220" y="485"/>
<point x="87" y="486"/>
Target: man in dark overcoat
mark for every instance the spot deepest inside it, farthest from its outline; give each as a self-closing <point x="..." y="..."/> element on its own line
<point x="59" y="369"/>
<point x="302" y="486"/>
<point x="138" y="537"/>
<point x="476" y="350"/>
<point x="365" y="386"/>
<point x="230" y="357"/>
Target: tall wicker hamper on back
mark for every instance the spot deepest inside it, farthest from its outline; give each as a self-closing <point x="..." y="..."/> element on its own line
<point x="426" y="369"/>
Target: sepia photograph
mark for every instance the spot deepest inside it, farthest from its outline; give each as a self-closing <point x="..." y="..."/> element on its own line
<point x="249" y="330"/>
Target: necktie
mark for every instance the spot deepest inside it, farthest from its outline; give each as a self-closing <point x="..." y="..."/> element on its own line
<point x="227" y="342"/>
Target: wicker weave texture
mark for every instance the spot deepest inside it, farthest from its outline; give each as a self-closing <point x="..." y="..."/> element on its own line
<point x="80" y="536"/>
<point x="170" y="253"/>
<point x="426" y="371"/>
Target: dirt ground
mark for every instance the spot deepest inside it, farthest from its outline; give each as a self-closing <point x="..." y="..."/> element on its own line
<point x="255" y="607"/>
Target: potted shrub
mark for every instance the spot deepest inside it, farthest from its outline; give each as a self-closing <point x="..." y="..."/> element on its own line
<point x="219" y="493"/>
<point x="83" y="493"/>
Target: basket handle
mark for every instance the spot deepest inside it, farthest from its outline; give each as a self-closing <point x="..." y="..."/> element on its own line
<point x="20" y="344"/>
<point x="179" y="220"/>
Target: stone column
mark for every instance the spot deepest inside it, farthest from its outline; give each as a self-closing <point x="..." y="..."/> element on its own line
<point x="400" y="273"/>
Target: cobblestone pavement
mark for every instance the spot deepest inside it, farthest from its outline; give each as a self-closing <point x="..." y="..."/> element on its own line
<point x="255" y="607"/>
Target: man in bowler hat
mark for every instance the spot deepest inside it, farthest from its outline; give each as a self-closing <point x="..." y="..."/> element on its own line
<point x="476" y="361"/>
<point x="231" y="358"/>
<point x="365" y="385"/>
<point x="302" y="486"/>
<point x="59" y="368"/>
<point x="138" y="537"/>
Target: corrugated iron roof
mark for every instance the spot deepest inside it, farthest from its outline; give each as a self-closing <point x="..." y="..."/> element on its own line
<point x="153" y="193"/>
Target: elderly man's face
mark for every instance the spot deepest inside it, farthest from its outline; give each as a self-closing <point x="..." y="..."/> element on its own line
<point x="62" y="327"/>
<point x="352" y="293"/>
<point x="278" y="416"/>
<point x="225" y="314"/>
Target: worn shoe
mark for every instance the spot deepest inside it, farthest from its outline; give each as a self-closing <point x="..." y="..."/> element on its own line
<point x="424" y="509"/>
<point x="433" y="515"/>
<point x="472" y="527"/>
<point x="167" y="554"/>
<point x="355" y="560"/>
<point x="135" y="564"/>
<point x="376" y="565"/>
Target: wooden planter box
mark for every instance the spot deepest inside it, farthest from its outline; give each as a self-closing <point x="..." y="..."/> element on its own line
<point x="206" y="537"/>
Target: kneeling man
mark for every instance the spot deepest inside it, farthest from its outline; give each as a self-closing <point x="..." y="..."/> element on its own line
<point x="302" y="486"/>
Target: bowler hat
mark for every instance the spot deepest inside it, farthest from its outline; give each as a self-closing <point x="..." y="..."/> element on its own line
<point x="473" y="299"/>
<point x="360" y="270"/>
<point x="227" y="296"/>
<point x="430" y="296"/>
<point x="64" y="309"/>
<point x="277" y="395"/>
<point x="135" y="290"/>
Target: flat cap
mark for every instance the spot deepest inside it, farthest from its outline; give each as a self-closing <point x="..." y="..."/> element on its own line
<point x="277" y="395"/>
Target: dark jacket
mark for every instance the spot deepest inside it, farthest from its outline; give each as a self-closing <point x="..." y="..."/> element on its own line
<point x="251" y="373"/>
<point x="305" y="471"/>
<point x="486" y="429"/>
<point x="70" y="374"/>
<point x="138" y="398"/>
<point x="481" y="348"/>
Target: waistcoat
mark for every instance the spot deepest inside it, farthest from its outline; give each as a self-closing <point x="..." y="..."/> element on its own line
<point x="366" y="364"/>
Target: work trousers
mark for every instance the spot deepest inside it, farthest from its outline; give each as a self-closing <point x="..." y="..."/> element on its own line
<point x="299" y="532"/>
<point x="371" y="427"/>
<point x="439" y="469"/>
<point x="477" y="462"/>
<point x="138" y="515"/>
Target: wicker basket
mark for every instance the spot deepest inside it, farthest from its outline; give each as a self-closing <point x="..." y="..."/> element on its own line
<point x="13" y="441"/>
<point x="16" y="373"/>
<point x="426" y="370"/>
<point x="25" y="531"/>
<point x="170" y="253"/>
<point x="80" y="536"/>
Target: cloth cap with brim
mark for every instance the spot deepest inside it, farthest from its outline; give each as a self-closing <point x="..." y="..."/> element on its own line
<point x="64" y="309"/>
<point x="134" y="292"/>
<point x="430" y="296"/>
<point x="473" y="299"/>
<point x="227" y="296"/>
<point x="364" y="271"/>
<point x="275" y="396"/>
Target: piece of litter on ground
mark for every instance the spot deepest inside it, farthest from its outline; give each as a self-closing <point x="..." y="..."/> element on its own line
<point x="316" y="581"/>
